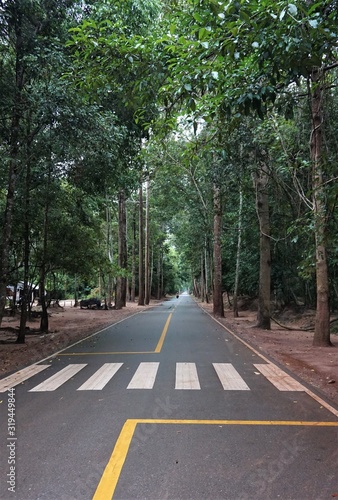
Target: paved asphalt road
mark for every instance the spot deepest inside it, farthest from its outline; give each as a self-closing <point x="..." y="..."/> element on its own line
<point x="166" y="404"/>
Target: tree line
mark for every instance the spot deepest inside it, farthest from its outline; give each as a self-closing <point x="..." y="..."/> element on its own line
<point x="151" y="145"/>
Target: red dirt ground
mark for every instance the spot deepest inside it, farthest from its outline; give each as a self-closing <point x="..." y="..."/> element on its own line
<point x="317" y="366"/>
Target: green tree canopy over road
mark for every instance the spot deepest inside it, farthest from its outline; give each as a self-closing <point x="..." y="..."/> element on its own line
<point x="219" y="115"/>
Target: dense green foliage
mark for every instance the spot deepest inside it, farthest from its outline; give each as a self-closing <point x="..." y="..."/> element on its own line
<point x="192" y="94"/>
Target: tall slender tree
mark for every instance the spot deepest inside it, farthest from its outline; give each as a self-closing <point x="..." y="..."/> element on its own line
<point x="147" y="282"/>
<point x="121" y="290"/>
<point x="141" y="249"/>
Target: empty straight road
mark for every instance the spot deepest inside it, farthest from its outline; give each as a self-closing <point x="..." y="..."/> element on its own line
<point x="166" y="404"/>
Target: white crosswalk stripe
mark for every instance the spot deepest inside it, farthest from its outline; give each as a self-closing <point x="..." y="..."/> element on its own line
<point x="55" y="381"/>
<point x="144" y="377"/>
<point x="278" y="378"/>
<point x="186" y="376"/>
<point x="101" y="377"/>
<point x="230" y="378"/>
<point x="20" y="376"/>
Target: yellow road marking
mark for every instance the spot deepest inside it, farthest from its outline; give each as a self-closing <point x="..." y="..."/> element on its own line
<point x="157" y="349"/>
<point x="164" y="333"/>
<point x="101" y="353"/>
<point x="110" y="477"/>
<point x="111" y="474"/>
<point x="307" y="423"/>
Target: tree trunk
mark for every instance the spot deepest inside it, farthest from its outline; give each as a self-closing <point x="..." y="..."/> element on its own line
<point x="146" y="253"/>
<point x="26" y="288"/>
<point x="151" y="271"/>
<point x="211" y="264"/>
<point x="76" y="295"/>
<point x="121" y="288"/>
<point x="133" y="257"/>
<point x="44" y="259"/>
<point x="141" y="252"/>
<point x="238" y="257"/>
<point x="202" y="279"/>
<point x="44" y="314"/>
<point x="42" y="287"/>
<point x="110" y="255"/>
<point x="206" y="273"/>
<point x="24" y="308"/>
<point x="159" y="269"/>
<point x="14" y="149"/>
<point x="124" y="251"/>
<point x="162" y="276"/>
<point x="322" y="321"/>
<point x="218" y="307"/>
<point x="196" y="289"/>
<point x="262" y="207"/>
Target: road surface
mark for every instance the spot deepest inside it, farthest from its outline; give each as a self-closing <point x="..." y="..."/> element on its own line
<point x="166" y="404"/>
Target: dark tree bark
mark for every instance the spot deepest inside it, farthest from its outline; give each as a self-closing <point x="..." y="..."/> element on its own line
<point x="141" y="251"/>
<point x="121" y="289"/>
<point x="44" y="323"/>
<point x="238" y="256"/>
<point x="42" y="287"/>
<point x="202" y="279"/>
<point x="196" y="291"/>
<point x="262" y="207"/>
<point x="133" y="257"/>
<point x="218" y="306"/>
<point x="147" y="248"/>
<point x="26" y="288"/>
<point x="206" y="272"/>
<point x="14" y="160"/>
<point x="159" y="274"/>
<point x="43" y="266"/>
<point x="322" y="320"/>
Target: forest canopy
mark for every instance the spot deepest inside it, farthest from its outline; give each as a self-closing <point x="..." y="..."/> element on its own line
<point x="150" y="146"/>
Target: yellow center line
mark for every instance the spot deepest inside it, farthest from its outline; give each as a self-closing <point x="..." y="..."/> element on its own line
<point x="102" y="353"/>
<point x="164" y="333"/>
<point x="157" y="349"/>
<point x="111" y="474"/>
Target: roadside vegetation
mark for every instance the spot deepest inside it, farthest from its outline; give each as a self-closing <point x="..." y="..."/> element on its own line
<point x="149" y="147"/>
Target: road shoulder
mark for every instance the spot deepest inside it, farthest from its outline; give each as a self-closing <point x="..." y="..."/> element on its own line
<point x="318" y="366"/>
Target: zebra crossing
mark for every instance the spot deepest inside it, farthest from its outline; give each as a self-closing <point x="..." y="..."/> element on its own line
<point x="144" y="377"/>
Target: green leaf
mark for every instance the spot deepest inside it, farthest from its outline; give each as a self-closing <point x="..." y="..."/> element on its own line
<point x="314" y="7"/>
<point x="192" y="104"/>
<point x="244" y="16"/>
<point x="197" y="17"/>
<point x="201" y="34"/>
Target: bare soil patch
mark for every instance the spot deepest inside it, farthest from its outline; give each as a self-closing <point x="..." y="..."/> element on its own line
<point x="67" y="325"/>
